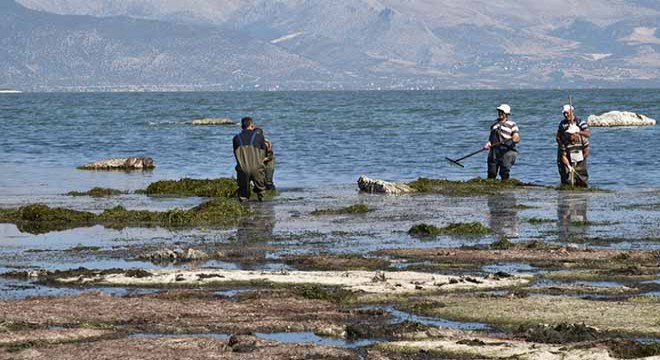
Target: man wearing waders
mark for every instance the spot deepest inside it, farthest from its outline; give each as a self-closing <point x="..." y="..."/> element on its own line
<point x="504" y="135"/>
<point x="250" y="153"/>
<point x="573" y="156"/>
<point x="564" y="138"/>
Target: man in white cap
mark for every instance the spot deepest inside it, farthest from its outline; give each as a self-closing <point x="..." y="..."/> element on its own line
<point x="564" y="138"/>
<point x="573" y="156"/>
<point x="504" y="135"/>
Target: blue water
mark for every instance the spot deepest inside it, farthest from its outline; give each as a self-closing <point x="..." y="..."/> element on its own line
<point x="320" y="138"/>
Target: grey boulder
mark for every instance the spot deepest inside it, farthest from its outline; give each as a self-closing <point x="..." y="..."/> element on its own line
<point x="376" y="186"/>
<point x="131" y="163"/>
<point x="619" y="118"/>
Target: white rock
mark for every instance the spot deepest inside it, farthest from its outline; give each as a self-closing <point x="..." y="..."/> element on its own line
<point x="176" y="255"/>
<point x="131" y="163"/>
<point x="619" y="118"/>
<point x="213" y="122"/>
<point x="382" y="187"/>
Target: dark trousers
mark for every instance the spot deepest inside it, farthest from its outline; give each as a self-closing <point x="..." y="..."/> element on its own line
<point x="270" y="172"/>
<point x="258" y="178"/>
<point x="582" y="177"/>
<point x="501" y="160"/>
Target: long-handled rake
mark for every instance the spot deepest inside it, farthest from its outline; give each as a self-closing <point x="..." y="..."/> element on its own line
<point x="457" y="162"/>
<point x="573" y="175"/>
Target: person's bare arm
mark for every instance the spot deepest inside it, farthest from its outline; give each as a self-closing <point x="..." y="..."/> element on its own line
<point x="585" y="132"/>
<point x="516" y="137"/>
<point x="565" y="161"/>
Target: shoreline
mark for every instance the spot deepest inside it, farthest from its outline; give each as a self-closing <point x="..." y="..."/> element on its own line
<point x="587" y="253"/>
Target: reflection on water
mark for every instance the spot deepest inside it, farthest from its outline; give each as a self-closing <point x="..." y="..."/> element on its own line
<point x="572" y="214"/>
<point x="256" y="229"/>
<point x="503" y="215"/>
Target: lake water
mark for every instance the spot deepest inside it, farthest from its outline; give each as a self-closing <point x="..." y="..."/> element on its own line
<point x="320" y="138"/>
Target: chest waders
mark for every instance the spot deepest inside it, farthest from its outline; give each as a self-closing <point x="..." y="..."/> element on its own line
<point x="250" y="167"/>
<point x="580" y="176"/>
<point x="500" y="157"/>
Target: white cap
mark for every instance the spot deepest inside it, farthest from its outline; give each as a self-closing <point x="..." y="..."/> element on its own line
<point x="505" y="108"/>
<point x="567" y="108"/>
<point x="573" y="129"/>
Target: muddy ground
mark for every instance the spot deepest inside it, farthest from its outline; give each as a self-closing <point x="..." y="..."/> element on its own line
<point x="561" y="274"/>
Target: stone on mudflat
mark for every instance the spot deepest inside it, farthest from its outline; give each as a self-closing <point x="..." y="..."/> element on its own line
<point x="619" y="118"/>
<point x="131" y="163"/>
<point x="208" y="121"/>
<point x="176" y="255"/>
<point x="376" y="186"/>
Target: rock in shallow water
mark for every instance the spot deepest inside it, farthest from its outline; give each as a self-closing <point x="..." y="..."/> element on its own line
<point x="176" y="255"/>
<point x="619" y="118"/>
<point x="375" y="186"/>
<point x="131" y="163"/>
<point x="213" y="122"/>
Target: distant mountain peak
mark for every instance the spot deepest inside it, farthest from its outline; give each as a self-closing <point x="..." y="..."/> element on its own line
<point x="338" y="44"/>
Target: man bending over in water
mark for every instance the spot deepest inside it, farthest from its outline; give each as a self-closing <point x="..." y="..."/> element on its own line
<point x="250" y="153"/>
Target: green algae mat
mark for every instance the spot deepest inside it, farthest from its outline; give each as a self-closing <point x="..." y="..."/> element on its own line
<point x="39" y="218"/>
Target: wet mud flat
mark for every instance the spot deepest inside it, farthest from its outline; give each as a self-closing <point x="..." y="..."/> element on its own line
<point x="334" y="274"/>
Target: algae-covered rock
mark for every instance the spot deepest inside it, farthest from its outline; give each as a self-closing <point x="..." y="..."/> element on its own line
<point x="353" y="209"/>
<point x="210" y="121"/>
<point x="131" y="163"/>
<point x="473" y="187"/>
<point x="619" y="118"/>
<point x="472" y="228"/>
<point x="560" y="334"/>
<point x="502" y="244"/>
<point x="221" y="187"/>
<point x="96" y="192"/>
<point x="39" y="218"/>
<point x="217" y="212"/>
<point x="375" y="186"/>
<point x="424" y="230"/>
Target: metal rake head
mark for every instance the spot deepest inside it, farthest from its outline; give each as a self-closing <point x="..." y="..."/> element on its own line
<point x="454" y="162"/>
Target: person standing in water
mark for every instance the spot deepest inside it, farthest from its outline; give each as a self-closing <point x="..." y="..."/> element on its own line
<point x="504" y="135"/>
<point x="573" y="156"/>
<point x="564" y="139"/>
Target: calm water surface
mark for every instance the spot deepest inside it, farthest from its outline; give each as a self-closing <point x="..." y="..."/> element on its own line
<point x="320" y="138"/>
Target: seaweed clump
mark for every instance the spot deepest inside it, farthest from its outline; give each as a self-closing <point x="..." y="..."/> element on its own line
<point x="353" y="209"/>
<point x="502" y="244"/>
<point x="472" y="228"/>
<point x="332" y="294"/>
<point x="96" y="192"/>
<point x="39" y="218"/>
<point x="630" y="349"/>
<point x="472" y="187"/>
<point x="219" y="188"/>
<point x="217" y="212"/>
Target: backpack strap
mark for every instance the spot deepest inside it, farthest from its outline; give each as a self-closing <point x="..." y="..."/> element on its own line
<point x="254" y="135"/>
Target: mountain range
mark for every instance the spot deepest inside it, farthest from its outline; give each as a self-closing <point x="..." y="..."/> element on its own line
<point x="320" y="44"/>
